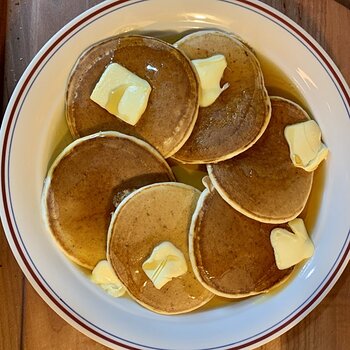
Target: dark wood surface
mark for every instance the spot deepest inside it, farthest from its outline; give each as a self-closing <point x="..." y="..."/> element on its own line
<point x="26" y="322"/>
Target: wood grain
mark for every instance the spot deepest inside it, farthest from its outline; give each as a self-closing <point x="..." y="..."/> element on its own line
<point x="3" y="21"/>
<point x="345" y="3"/>
<point x="11" y="298"/>
<point x="43" y="329"/>
<point x="26" y="322"/>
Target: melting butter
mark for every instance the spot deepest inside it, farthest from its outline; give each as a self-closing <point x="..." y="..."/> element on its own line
<point x="306" y="149"/>
<point x="165" y="263"/>
<point x="291" y="248"/>
<point x="122" y="93"/>
<point x="104" y="276"/>
<point x="210" y="71"/>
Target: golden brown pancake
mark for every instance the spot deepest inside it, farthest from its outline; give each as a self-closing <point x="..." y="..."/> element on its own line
<point x="173" y="103"/>
<point x="236" y="120"/>
<point x="146" y="218"/>
<point x="262" y="183"/>
<point x="230" y="253"/>
<point x="85" y="180"/>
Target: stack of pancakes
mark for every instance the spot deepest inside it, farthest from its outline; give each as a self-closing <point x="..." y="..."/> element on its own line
<point x="112" y="194"/>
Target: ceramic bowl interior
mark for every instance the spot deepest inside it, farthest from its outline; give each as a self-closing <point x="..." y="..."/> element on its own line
<point x="34" y="131"/>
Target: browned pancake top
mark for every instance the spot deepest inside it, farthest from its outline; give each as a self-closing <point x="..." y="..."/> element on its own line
<point x="156" y="214"/>
<point x="83" y="186"/>
<point x="263" y="181"/>
<point x="173" y="102"/>
<point x="235" y="120"/>
<point x="233" y="253"/>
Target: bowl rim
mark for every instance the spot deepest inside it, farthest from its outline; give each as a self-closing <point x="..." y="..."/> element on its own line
<point x="49" y="295"/>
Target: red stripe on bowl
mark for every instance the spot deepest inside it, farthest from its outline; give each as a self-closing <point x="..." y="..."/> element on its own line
<point x="32" y="273"/>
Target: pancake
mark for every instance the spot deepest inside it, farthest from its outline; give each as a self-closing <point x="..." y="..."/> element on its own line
<point x="262" y="183"/>
<point x="236" y="120"/>
<point x="231" y="254"/>
<point x="173" y="103"/>
<point x="86" y="180"/>
<point x="146" y="218"/>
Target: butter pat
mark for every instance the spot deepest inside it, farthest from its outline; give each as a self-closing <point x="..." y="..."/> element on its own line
<point x="291" y="248"/>
<point x="210" y="71"/>
<point x="165" y="263"/>
<point x="122" y="93"/>
<point x="305" y="146"/>
<point x="104" y="276"/>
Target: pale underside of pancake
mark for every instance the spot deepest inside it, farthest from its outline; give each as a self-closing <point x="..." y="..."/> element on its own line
<point x="173" y="103"/>
<point x="144" y="219"/>
<point x="231" y="254"/>
<point x="85" y="182"/>
<point x="236" y="120"/>
<point x="262" y="183"/>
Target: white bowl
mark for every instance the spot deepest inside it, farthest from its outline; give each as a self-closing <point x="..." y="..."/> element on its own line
<point x="34" y="131"/>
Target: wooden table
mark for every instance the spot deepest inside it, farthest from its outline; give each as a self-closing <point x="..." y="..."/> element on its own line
<point x="26" y="322"/>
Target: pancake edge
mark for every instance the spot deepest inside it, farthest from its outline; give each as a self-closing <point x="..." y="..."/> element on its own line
<point x="68" y="149"/>
<point x="199" y="31"/>
<point x="238" y="207"/>
<point x="267" y="100"/>
<point x="192" y="236"/>
<point x="109" y="237"/>
<point x="71" y="123"/>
